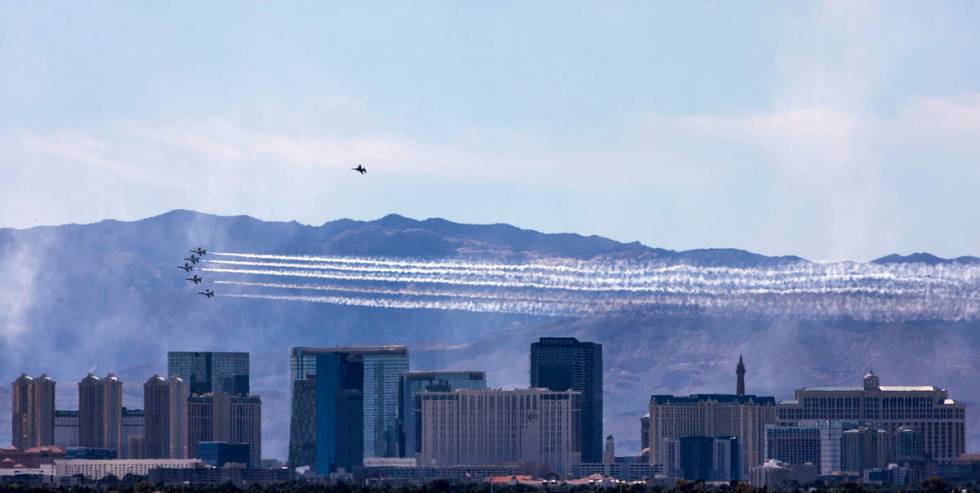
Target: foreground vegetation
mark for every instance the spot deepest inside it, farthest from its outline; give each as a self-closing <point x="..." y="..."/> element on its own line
<point x="142" y="486"/>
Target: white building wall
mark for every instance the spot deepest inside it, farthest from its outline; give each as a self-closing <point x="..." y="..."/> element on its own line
<point x="98" y="469"/>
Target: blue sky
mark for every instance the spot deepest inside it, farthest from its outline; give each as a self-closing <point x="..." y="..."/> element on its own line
<point x="828" y="129"/>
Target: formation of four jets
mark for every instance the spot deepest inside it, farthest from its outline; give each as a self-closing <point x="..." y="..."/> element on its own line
<point x="188" y="266"/>
<point x="197" y="253"/>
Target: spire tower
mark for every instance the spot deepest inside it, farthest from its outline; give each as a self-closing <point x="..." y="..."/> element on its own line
<point x="740" y="372"/>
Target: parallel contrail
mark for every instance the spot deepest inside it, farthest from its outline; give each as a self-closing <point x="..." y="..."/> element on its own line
<point x="496" y="307"/>
<point x="799" y="270"/>
<point x="659" y="284"/>
<point x="842" y="289"/>
<point x="406" y="263"/>
<point x="403" y="292"/>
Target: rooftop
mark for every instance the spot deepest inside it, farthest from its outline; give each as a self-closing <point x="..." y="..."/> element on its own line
<point x="352" y="350"/>
<point x="526" y="390"/>
<point x="883" y="388"/>
<point x="723" y="398"/>
<point x="427" y="374"/>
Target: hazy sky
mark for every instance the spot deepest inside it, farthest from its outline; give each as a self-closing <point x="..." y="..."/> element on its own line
<point x="829" y="130"/>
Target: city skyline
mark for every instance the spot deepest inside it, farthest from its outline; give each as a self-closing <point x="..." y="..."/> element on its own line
<point x="784" y="405"/>
<point x="873" y="433"/>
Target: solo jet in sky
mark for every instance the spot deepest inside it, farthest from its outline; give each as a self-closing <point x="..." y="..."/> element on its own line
<point x="192" y="259"/>
<point x="187" y="267"/>
<point x="360" y="169"/>
<point x="207" y="293"/>
<point x="200" y="251"/>
<point x="196" y="279"/>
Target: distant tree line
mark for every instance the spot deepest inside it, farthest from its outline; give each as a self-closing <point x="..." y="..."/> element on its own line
<point x="140" y="485"/>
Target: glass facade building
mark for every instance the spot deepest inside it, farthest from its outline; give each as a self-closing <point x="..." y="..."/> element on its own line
<point x="209" y="372"/>
<point x="218" y="454"/>
<point x="808" y="442"/>
<point x="411" y="383"/>
<point x="66" y="428"/>
<point x="793" y="444"/>
<point x="90" y="453"/>
<point x="133" y="444"/>
<point x="701" y="458"/>
<point x="343" y="405"/>
<point x="381" y="377"/>
<point x="564" y="363"/>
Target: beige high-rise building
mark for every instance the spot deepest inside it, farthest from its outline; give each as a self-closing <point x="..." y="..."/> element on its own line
<point x="91" y="412"/>
<point x="164" y="402"/>
<point x="165" y="417"/>
<point x="156" y="418"/>
<point x="201" y="415"/>
<point x="484" y="427"/>
<point x="712" y="415"/>
<point x="113" y="422"/>
<point x="177" y="418"/>
<point x="245" y="425"/>
<point x="100" y="412"/>
<point x="926" y="409"/>
<point x="219" y="417"/>
<point x="32" y="411"/>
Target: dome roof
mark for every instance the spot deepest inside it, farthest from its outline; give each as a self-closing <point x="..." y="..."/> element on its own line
<point x="156" y="379"/>
<point x="871" y="381"/>
<point x="91" y="378"/>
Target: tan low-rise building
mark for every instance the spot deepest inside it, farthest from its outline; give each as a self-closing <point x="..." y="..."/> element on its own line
<point x="524" y="426"/>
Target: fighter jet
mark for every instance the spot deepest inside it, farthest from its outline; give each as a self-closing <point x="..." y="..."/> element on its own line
<point x="360" y="169"/>
<point x="192" y="259"/>
<point x="207" y="293"/>
<point x="196" y="279"/>
<point x="200" y="251"/>
<point x="187" y="267"/>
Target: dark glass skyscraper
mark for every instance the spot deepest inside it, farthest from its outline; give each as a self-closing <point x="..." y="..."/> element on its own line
<point x="696" y="460"/>
<point x="218" y="454"/>
<point x="564" y="363"/>
<point x="208" y="372"/>
<point x="708" y="459"/>
<point x="342" y="398"/>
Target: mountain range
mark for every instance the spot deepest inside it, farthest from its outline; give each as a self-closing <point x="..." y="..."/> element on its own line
<point x="106" y="297"/>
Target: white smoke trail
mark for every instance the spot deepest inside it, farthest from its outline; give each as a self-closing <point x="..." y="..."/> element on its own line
<point x="843" y="289"/>
<point x="573" y="267"/>
<point x="675" y="283"/>
<point x="470" y="306"/>
<point x="403" y="291"/>
<point x="836" y="270"/>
